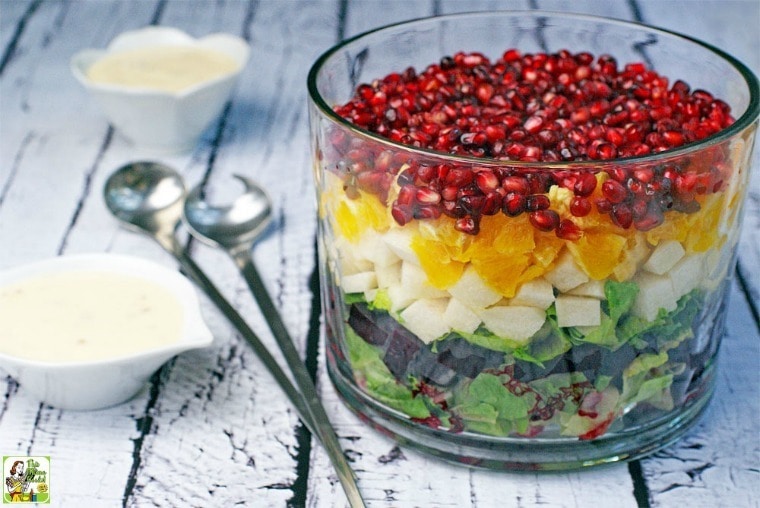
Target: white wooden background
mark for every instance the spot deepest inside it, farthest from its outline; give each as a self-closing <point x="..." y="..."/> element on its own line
<point x="211" y="429"/>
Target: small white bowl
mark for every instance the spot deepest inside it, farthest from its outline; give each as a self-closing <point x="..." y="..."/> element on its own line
<point x="97" y="384"/>
<point x="160" y="121"/>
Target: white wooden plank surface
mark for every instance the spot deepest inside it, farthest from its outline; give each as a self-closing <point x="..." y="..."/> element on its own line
<point x="212" y="429"/>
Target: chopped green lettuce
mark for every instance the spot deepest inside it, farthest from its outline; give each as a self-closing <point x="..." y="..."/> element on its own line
<point x="350" y="298"/>
<point x="378" y="381"/>
<point x="668" y="329"/>
<point x="589" y="426"/>
<point x="382" y="301"/>
<point x="620" y="299"/>
<point x="487" y="406"/>
<point x="487" y="339"/>
<point x="648" y="378"/>
<point x="543" y="347"/>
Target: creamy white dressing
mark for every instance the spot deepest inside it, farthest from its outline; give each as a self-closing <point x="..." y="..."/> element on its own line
<point x="86" y="316"/>
<point x="167" y="68"/>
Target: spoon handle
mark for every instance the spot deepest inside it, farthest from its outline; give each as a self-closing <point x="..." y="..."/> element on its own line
<point x="316" y="411"/>
<point x="218" y="299"/>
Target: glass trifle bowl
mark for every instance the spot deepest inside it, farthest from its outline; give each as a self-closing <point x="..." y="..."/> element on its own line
<point x="527" y="228"/>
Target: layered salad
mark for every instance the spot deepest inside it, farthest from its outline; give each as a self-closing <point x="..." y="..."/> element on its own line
<point x="557" y="280"/>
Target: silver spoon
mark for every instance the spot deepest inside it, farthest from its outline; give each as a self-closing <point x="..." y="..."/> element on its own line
<point x="235" y="228"/>
<point x="148" y="197"/>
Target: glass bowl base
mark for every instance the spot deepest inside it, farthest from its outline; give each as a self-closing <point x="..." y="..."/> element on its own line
<point x="524" y="454"/>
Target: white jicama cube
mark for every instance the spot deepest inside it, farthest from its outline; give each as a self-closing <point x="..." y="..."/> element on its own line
<point x="388" y="275"/>
<point x="687" y="274"/>
<point x="415" y="281"/>
<point x="359" y="282"/>
<point x="370" y="295"/>
<point x="399" y="241"/>
<point x="472" y="291"/>
<point x="460" y="317"/>
<point x="399" y="297"/>
<point x="535" y="293"/>
<point x="372" y="247"/>
<point x="566" y="274"/>
<point x="513" y="321"/>
<point x="592" y="288"/>
<point x="424" y="318"/>
<point x="715" y="268"/>
<point x="655" y="293"/>
<point x="664" y="257"/>
<point x="350" y="260"/>
<point x="578" y="311"/>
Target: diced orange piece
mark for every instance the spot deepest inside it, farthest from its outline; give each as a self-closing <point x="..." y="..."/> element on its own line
<point x="598" y="253"/>
<point x="436" y="260"/>
<point x="547" y="249"/>
<point x="502" y="273"/>
<point x="354" y="216"/>
<point x="703" y="225"/>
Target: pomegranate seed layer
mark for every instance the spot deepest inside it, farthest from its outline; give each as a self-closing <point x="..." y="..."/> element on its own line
<point x="536" y="107"/>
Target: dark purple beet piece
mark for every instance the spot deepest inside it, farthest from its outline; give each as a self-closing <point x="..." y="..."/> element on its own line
<point x="466" y="358"/>
<point x="402" y="347"/>
<point x="363" y="322"/>
<point x="426" y="367"/>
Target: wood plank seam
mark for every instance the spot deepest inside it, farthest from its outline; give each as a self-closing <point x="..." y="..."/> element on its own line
<point x="10" y="50"/>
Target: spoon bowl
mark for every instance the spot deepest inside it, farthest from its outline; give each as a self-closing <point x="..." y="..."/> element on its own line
<point x="233" y="226"/>
<point x="146" y="196"/>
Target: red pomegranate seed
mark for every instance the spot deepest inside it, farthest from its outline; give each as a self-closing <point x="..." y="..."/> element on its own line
<point x="685" y="183"/>
<point x="486" y="181"/>
<point x="427" y="196"/>
<point x="651" y="220"/>
<point x="580" y="207"/>
<point x="603" y="151"/>
<point x="568" y="230"/>
<point x="538" y="183"/>
<point x="459" y="177"/>
<point x="492" y="203"/>
<point x="614" y="191"/>
<point x="585" y="184"/>
<point x="427" y="212"/>
<point x="401" y="214"/>
<point x="495" y="133"/>
<point x="618" y="174"/>
<point x="472" y="204"/>
<point x="406" y="195"/>
<point x="622" y="215"/>
<point x="544" y="220"/>
<point x="639" y="208"/>
<point x="603" y="206"/>
<point x="513" y="204"/>
<point x="643" y="175"/>
<point x="516" y="184"/>
<point x="449" y="193"/>
<point x="533" y="124"/>
<point x="536" y="202"/>
<point x="467" y="225"/>
<point x="673" y="138"/>
<point x="635" y="186"/>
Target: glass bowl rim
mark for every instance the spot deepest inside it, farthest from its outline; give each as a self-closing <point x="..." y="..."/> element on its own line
<point x="749" y="116"/>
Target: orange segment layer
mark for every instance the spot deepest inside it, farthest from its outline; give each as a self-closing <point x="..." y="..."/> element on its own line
<point x="353" y="216"/>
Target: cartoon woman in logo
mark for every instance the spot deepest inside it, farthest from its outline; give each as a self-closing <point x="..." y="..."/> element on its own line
<point x="15" y="482"/>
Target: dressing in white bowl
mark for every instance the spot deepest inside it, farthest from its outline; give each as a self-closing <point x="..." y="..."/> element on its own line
<point x="88" y="331"/>
<point x="159" y="86"/>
